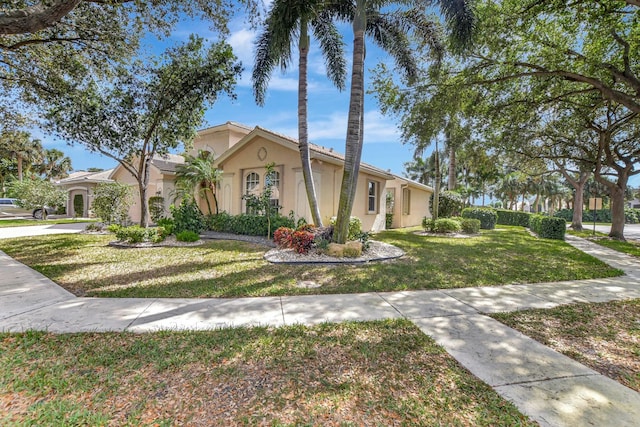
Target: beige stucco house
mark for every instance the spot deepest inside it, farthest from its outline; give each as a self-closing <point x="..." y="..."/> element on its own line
<point x="80" y="185"/>
<point x="242" y="153"/>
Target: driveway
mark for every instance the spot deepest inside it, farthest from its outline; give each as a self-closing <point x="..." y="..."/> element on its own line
<point x="39" y="230"/>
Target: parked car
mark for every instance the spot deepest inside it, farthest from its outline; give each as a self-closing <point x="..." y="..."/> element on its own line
<point x="9" y="207"/>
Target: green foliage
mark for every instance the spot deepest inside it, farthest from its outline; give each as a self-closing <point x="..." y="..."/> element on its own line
<point x="446" y="225"/>
<point x="428" y="224"/>
<point x="78" y="205"/>
<point x="487" y="216"/>
<point x="113" y="228"/>
<point x="156" y="208"/>
<point x="251" y="225"/>
<point x="508" y="217"/>
<point x="388" y="221"/>
<point x="548" y="227"/>
<point x="355" y="227"/>
<point x="365" y="238"/>
<point x="94" y="226"/>
<point x="187" y="216"/>
<point x="631" y="216"/>
<point x="470" y="225"/>
<point x="449" y="204"/>
<point x="111" y="202"/>
<point x="137" y="234"/>
<point x="36" y="194"/>
<point x="168" y="224"/>
<point x="187" y="236"/>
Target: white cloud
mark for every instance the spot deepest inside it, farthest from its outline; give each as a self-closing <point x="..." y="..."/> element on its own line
<point x="377" y="128"/>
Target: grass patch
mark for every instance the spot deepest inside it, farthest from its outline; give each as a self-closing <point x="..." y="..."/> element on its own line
<point x="603" y="336"/>
<point x="86" y="266"/>
<point x="629" y="247"/>
<point x="371" y="373"/>
<point x="27" y="222"/>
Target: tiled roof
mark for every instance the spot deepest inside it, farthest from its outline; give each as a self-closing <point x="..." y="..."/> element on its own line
<point x="84" y="176"/>
<point x="167" y="162"/>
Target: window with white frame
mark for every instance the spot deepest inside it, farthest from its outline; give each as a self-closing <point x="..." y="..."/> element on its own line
<point x="252" y="181"/>
<point x="372" y="196"/>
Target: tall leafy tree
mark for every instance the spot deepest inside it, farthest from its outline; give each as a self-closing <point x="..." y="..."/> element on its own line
<point x="46" y="47"/>
<point x="20" y="146"/>
<point x="55" y="165"/>
<point x="389" y="24"/>
<point x="148" y="109"/>
<point x="285" y="20"/>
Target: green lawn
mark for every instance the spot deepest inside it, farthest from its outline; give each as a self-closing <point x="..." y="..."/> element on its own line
<point x="373" y="373"/>
<point x="85" y="265"/>
<point x="27" y="222"/>
<point x="604" y="336"/>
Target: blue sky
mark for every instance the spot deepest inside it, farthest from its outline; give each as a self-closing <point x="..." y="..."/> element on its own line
<point x="327" y="106"/>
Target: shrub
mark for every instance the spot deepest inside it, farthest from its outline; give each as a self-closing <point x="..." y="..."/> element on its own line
<point x="321" y="245"/>
<point x="631" y="216"/>
<point x="355" y="227"/>
<point x="349" y="252"/>
<point x="168" y="224"/>
<point x="507" y="217"/>
<point x="446" y="225"/>
<point x="470" y="225"/>
<point x="94" y="226"/>
<point x="113" y="228"/>
<point x="548" y="227"/>
<point x="111" y="202"/>
<point x="428" y="224"/>
<point x="302" y="241"/>
<point x="246" y="224"/>
<point x="388" y="221"/>
<point x="187" y="216"/>
<point x="156" y="208"/>
<point x="282" y="237"/>
<point x="487" y="216"/>
<point x="364" y="237"/>
<point x="449" y="204"/>
<point x="566" y="214"/>
<point x="187" y="236"/>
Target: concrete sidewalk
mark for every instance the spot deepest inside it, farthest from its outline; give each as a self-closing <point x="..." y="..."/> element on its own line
<point x="549" y="387"/>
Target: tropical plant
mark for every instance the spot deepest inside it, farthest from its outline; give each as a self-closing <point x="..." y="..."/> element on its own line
<point x="20" y="146"/>
<point x="199" y="173"/>
<point x="390" y="29"/>
<point x="54" y="165"/>
<point x="285" y="20"/>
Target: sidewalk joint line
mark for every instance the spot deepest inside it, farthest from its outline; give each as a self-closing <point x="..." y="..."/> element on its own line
<point x="542" y="380"/>
<point x="153" y="301"/>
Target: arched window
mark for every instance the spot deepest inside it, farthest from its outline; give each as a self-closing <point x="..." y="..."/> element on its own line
<point x="251" y="183"/>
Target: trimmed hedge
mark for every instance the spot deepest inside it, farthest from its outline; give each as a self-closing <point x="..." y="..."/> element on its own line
<point x="548" y="227"/>
<point x="446" y="225"/>
<point x="487" y="216"/>
<point x="631" y="216"/>
<point x="250" y="225"/>
<point x="507" y="217"/>
<point x="470" y="225"/>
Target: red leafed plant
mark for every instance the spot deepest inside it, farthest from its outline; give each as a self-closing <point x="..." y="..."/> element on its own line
<point x="301" y="241"/>
<point x="282" y="237"/>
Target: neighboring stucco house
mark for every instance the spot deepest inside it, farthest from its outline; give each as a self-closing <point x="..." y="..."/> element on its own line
<point x="242" y="153"/>
<point x="80" y="185"/>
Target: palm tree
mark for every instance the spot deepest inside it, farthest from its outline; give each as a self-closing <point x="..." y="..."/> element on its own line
<point x="20" y="146"/>
<point x="55" y="165"/>
<point x="391" y="31"/>
<point x="198" y="173"/>
<point x="285" y="20"/>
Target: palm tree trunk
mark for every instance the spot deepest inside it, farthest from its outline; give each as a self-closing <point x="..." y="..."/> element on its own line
<point x="19" y="161"/>
<point x="303" y="134"/>
<point x="353" y="145"/>
<point x="452" y="168"/>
